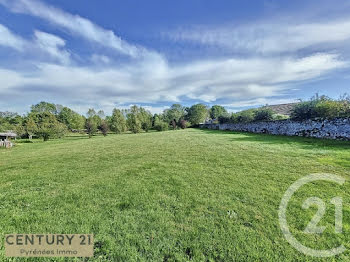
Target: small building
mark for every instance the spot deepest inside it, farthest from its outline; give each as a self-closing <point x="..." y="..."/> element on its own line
<point x="7" y="135"/>
<point x="5" y="139"/>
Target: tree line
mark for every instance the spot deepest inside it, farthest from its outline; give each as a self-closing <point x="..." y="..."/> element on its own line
<point x="47" y="120"/>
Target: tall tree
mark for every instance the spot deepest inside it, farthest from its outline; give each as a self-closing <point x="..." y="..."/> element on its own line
<point x="175" y="113"/>
<point x="117" y="121"/>
<point x="31" y="127"/>
<point x="44" y="107"/>
<point x="197" y="114"/>
<point x="71" y="119"/>
<point x="216" y="111"/>
<point x="132" y="119"/>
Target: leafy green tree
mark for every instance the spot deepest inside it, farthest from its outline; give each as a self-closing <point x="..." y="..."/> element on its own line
<point x="48" y="126"/>
<point x="104" y="128"/>
<point x="101" y="114"/>
<point x="31" y="127"/>
<point x="263" y="114"/>
<point x="175" y="112"/>
<point x="145" y="118"/>
<point x="91" y="126"/>
<point x="245" y="116"/>
<point x="217" y="111"/>
<point x="44" y="107"/>
<point x="71" y="119"/>
<point x="117" y="122"/>
<point x="132" y="120"/>
<point x="159" y="124"/>
<point x="197" y="114"/>
<point x="91" y="113"/>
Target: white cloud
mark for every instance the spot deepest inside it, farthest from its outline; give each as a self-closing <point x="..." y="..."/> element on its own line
<point x="52" y="45"/>
<point x="150" y="78"/>
<point x="267" y="37"/>
<point x="205" y="80"/>
<point x="8" y="39"/>
<point x="75" y="24"/>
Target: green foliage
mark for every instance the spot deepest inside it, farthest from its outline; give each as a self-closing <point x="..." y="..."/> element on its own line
<point x="133" y="120"/>
<point x="104" y="128"/>
<point x="30" y="127"/>
<point x="159" y="124"/>
<point x="245" y="116"/>
<point x="175" y="112"/>
<point x="263" y="114"/>
<point x="71" y="119"/>
<point x="217" y="111"/>
<point x="117" y="122"/>
<point x="48" y="126"/>
<point x="197" y="114"/>
<point x="280" y="117"/>
<point x="184" y="124"/>
<point x="44" y="107"/>
<point x="91" y="126"/>
<point x="145" y="118"/>
<point x="323" y="108"/>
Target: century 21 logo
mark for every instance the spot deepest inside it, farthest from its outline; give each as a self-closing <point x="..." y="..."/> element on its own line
<point x="312" y="227"/>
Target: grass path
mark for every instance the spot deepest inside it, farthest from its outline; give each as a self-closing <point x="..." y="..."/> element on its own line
<point x="198" y="195"/>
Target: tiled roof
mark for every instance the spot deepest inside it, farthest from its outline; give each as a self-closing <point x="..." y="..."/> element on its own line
<point x="283" y="109"/>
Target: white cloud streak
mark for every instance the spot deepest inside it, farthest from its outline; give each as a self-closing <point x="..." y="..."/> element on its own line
<point x="266" y="38"/>
<point x="8" y="39"/>
<point x="75" y="24"/>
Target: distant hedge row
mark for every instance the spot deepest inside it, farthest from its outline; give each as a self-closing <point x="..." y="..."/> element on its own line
<point x="252" y="115"/>
<point x="322" y="108"/>
<point x="317" y="108"/>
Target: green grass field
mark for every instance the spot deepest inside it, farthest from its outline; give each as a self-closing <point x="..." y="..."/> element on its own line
<point x="182" y="195"/>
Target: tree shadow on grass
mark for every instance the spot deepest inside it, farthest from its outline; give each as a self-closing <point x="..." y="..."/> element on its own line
<point x="305" y="142"/>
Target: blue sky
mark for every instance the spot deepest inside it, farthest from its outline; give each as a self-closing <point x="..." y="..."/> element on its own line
<point x="107" y="54"/>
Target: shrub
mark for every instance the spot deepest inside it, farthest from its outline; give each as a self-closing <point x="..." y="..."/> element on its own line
<point x="245" y="116"/>
<point x="184" y="124"/>
<point x="224" y="119"/>
<point x="328" y="109"/>
<point x="304" y="110"/>
<point x="263" y="114"/>
<point x="104" y="128"/>
<point x="161" y="126"/>
<point x="280" y="117"/>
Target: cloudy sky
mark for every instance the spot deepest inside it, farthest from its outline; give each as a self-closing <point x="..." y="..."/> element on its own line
<point x="107" y="54"/>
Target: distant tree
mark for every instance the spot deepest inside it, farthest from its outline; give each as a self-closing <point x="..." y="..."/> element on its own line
<point x="263" y="114"/>
<point x="217" y="111"/>
<point x="91" y="113"/>
<point x="117" y="121"/>
<point x="104" y="128"/>
<point x="91" y="126"/>
<point x="31" y="127"/>
<point x="132" y="119"/>
<point x="101" y="114"/>
<point x="159" y="124"/>
<point x="175" y="112"/>
<point x="146" y="119"/>
<point x="244" y="116"/>
<point x="48" y="126"/>
<point x="173" y="123"/>
<point x="44" y="107"/>
<point x="183" y="124"/>
<point x="71" y="119"/>
<point x="197" y="114"/>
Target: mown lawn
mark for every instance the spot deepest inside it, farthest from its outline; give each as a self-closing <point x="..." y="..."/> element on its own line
<point x="182" y="195"/>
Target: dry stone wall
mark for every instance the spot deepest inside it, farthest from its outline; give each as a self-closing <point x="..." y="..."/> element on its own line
<point x="329" y="129"/>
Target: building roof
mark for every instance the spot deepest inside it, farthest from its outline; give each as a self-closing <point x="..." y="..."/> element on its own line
<point x="283" y="109"/>
<point x="8" y="134"/>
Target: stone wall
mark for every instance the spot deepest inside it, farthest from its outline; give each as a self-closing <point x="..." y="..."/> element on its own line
<point x="330" y="129"/>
